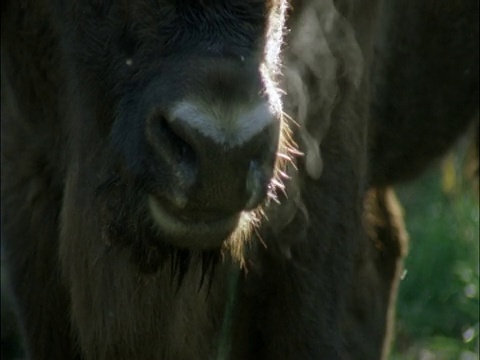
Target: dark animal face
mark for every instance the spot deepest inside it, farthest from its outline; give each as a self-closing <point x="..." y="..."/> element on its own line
<point x="176" y="122"/>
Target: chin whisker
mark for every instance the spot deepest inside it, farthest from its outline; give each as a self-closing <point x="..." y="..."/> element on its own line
<point x="182" y="260"/>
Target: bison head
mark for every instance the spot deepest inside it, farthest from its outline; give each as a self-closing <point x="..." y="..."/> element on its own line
<point x="174" y="118"/>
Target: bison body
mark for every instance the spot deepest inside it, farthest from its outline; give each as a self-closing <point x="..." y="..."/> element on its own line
<point x="158" y="202"/>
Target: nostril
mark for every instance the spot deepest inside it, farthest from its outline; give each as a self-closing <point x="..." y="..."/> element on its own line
<point x="168" y="142"/>
<point x="219" y="164"/>
<point x="183" y="150"/>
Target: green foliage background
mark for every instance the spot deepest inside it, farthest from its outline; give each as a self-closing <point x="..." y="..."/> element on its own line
<point x="438" y="304"/>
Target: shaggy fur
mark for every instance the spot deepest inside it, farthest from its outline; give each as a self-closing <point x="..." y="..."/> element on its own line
<point x="89" y="241"/>
<point x="369" y="319"/>
<point x="92" y="276"/>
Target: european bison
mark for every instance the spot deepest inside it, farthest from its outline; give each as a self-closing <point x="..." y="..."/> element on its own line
<point x="425" y="95"/>
<point x="159" y="203"/>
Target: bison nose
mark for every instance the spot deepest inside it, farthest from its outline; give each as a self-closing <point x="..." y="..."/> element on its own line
<point x="222" y="161"/>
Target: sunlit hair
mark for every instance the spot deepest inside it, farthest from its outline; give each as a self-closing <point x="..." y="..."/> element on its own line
<point x="323" y="55"/>
<point x="270" y="70"/>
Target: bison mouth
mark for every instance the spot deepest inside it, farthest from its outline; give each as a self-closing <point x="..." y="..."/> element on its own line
<point x="192" y="232"/>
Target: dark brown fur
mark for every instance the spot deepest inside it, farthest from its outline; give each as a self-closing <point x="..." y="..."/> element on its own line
<point x="93" y="280"/>
<point x="426" y="95"/>
<point x="369" y="321"/>
<point x="104" y="282"/>
<point x="426" y="85"/>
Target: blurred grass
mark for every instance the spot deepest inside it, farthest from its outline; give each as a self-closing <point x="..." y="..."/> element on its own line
<point x="438" y="304"/>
